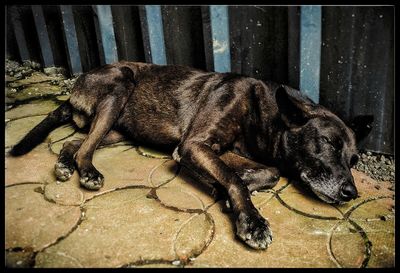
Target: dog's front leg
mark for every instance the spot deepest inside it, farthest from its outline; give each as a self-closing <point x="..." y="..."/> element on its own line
<point x="251" y="227"/>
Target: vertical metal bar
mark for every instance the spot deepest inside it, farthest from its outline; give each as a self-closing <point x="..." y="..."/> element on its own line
<point x="294" y="46"/>
<point x="107" y="33"/>
<point x="71" y="39"/>
<point x="208" y="51"/>
<point x="43" y="35"/>
<point x="19" y="34"/>
<point x="220" y="38"/>
<point x="310" y="50"/>
<point x="156" y="34"/>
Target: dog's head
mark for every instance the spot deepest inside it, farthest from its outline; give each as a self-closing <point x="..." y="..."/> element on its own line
<point x="319" y="148"/>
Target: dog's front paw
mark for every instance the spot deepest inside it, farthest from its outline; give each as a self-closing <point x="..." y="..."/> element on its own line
<point x="259" y="179"/>
<point x="253" y="230"/>
<point x="64" y="169"/>
<point x="91" y="179"/>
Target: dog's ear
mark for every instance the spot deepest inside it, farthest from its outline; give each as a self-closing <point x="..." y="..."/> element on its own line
<point x="361" y="126"/>
<point x="295" y="110"/>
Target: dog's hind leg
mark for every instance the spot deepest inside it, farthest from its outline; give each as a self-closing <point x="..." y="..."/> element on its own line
<point x="107" y="113"/>
<point x="255" y="176"/>
<point x="65" y="166"/>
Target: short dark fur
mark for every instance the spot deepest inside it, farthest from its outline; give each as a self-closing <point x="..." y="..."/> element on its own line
<point x="234" y="132"/>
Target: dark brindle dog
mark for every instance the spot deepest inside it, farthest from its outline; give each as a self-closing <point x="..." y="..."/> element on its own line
<point x="202" y="115"/>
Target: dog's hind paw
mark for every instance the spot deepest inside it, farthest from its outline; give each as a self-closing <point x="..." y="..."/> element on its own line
<point x="63" y="172"/>
<point x="254" y="230"/>
<point x="91" y="180"/>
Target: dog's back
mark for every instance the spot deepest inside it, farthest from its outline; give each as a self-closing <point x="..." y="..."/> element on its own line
<point x="167" y="98"/>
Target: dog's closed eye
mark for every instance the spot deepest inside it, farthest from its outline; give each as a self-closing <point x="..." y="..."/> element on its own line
<point x="336" y="144"/>
<point x="327" y="141"/>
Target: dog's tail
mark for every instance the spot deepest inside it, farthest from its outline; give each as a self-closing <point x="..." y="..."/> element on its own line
<point x="60" y="116"/>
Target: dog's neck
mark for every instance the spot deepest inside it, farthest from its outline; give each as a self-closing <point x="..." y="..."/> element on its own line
<point x="267" y="140"/>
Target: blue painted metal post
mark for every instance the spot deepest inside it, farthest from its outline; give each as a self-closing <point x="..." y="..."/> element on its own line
<point x="44" y="41"/>
<point x="107" y="33"/>
<point x="156" y="34"/>
<point x="310" y="50"/>
<point x="71" y="38"/>
<point x="220" y="38"/>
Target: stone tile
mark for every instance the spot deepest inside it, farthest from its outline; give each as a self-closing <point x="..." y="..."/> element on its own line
<point x="149" y="152"/>
<point x="372" y="210"/>
<point x="383" y="250"/>
<point x="17" y="129"/>
<point x="63" y="97"/>
<point x="348" y="239"/>
<point x="194" y="236"/>
<point x="282" y="184"/>
<point x="36" y="77"/>
<point x="35" y="166"/>
<point x="191" y="193"/>
<point x="347" y="246"/>
<point x="19" y="259"/>
<point x="288" y="249"/>
<point x="56" y="146"/>
<point x="123" y="167"/>
<point x="300" y="200"/>
<point x="39" y="107"/>
<point x="260" y="198"/>
<point x="61" y="133"/>
<point x="64" y="193"/>
<point x="163" y="173"/>
<point x="155" y="265"/>
<point x="176" y="197"/>
<point x="377" y="220"/>
<point x="120" y="228"/>
<point x="31" y="221"/>
<point x="35" y="91"/>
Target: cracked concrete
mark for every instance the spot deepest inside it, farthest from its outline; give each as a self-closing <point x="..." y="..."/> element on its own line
<point x="151" y="213"/>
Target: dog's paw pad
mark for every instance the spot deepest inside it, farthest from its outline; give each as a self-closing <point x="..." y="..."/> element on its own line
<point x="254" y="231"/>
<point x="62" y="171"/>
<point x="92" y="181"/>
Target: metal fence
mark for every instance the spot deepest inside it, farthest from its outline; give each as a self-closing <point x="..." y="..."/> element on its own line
<point x="341" y="56"/>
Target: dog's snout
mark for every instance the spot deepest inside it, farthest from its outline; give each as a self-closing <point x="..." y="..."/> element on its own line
<point x="348" y="192"/>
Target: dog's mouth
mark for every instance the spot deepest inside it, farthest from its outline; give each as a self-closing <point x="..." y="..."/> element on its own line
<point x="322" y="196"/>
<point x="326" y="198"/>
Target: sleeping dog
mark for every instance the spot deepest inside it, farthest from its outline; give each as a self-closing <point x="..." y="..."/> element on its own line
<point x="234" y="132"/>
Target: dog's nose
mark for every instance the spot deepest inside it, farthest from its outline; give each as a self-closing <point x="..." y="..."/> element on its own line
<point x="348" y="192"/>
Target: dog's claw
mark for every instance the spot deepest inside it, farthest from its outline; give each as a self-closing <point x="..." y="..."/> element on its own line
<point x="63" y="172"/>
<point x="92" y="180"/>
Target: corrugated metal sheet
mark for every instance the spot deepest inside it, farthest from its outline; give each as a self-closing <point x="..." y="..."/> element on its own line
<point x="355" y="68"/>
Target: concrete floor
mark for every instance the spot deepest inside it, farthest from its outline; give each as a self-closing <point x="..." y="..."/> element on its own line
<point x="150" y="213"/>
